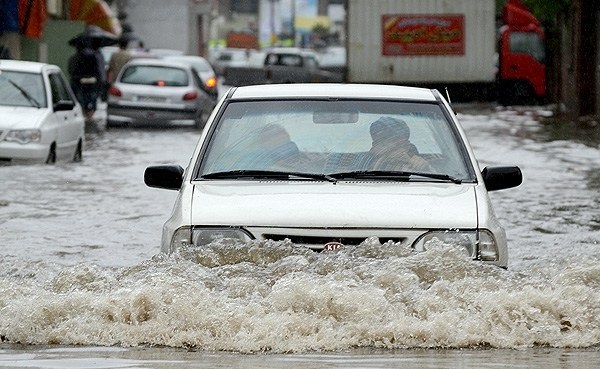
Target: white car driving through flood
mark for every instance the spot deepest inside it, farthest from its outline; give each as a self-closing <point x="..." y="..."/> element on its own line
<point x="40" y="118"/>
<point x="329" y="165"/>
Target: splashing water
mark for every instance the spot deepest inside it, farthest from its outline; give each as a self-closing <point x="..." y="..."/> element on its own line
<point x="278" y="297"/>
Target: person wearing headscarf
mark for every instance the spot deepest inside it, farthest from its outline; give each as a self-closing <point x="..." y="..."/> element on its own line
<point x="391" y="147"/>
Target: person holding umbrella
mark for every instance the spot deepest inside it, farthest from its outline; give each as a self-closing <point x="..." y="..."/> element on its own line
<point x="87" y="69"/>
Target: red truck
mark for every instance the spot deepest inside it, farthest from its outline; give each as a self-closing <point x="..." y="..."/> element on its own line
<point x="442" y="44"/>
<point x="522" y="72"/>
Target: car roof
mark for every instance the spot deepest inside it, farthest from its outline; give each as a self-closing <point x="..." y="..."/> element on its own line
<point x="186" y="59"/>
<point x="183" y="57"/>
<point x="165" y="52"/>
<point x="194" y="60"/>
<point x="232" y="50"/>
<point x="158" y="62"/>
<point x="24" y="66"/>
<point x="333" y="90"/>
<point x="290" y="50"/>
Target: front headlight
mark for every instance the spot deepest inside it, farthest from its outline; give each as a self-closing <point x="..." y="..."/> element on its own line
<point x="24" y="136"/>
<point x="186" y="236"/>
<point x="181" y="238"/>
<point x="480" y="245"/>
<point x="204" y="236"/>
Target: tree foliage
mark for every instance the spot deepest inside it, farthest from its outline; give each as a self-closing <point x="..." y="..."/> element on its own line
<point x="546" y="11"/>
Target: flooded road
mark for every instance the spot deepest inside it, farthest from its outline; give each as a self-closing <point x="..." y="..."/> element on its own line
<point x="80" y="268"/>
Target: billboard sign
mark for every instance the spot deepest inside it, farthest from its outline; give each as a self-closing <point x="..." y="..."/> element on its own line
<point x="430" y="34"/>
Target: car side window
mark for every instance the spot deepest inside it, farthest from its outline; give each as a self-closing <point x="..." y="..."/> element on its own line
<point x="58" y="88"/>
<point x="272" y="59"/>
<point x="311" y="62"/>
<point x="290" y="60"/>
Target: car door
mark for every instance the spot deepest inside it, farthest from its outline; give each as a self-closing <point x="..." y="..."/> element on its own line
<point x="69" y="119"/>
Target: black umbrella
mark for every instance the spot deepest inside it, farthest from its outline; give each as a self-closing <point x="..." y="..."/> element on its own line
<point x="93" y="36"/>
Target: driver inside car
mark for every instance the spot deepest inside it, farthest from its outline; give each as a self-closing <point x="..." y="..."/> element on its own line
<point x="391" y="148"/>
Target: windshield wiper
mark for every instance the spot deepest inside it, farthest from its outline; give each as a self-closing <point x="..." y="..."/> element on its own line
<point x="392" y="175"/>
<point x="261" y="174"/>
<point x="26" y="94"/>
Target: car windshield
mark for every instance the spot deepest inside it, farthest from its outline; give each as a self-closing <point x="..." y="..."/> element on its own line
<point x="347" y="139"/>
<point x="155" y="76"/>
<point x="22" y="89"/>
<point x="528" y="43"/>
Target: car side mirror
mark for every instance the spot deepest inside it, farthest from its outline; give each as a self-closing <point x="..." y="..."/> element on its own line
<point x="64" y="105"/>
<point x="500" y="178"/>
<point x="169" y="177"/>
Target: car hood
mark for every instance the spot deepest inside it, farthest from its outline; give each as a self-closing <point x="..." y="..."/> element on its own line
<point x="323" y="204"/>
<point x="20" y="117"/>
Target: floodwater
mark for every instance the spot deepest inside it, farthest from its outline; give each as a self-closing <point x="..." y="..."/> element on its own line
<point x="82" y="284"/>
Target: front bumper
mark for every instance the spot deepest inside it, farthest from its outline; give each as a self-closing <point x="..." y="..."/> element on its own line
<point x="319" y="239"/>
<point x="31" y="152"/>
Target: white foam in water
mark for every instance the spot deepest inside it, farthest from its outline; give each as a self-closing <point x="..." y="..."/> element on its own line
<point x="274" y="296"/>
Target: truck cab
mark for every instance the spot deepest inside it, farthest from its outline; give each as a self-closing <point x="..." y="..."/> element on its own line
<point x="522" y="69"/>
<point x="291" y="65"/>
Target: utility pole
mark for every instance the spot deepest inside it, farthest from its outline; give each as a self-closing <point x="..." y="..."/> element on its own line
<point x="294" y="22"/>
<point x="272" y="21"/>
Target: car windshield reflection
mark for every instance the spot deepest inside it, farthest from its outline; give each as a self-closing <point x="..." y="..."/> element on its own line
<point x="22" y="89"/>
<point x="355" y="139"/>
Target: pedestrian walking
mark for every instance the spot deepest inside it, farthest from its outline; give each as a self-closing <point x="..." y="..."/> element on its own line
<point x="118" y="59"/>
<point x="87" y="77"/>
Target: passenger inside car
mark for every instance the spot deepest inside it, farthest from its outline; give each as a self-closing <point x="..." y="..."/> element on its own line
<point x="391" y="148"/>
<point x="277" y="148"/>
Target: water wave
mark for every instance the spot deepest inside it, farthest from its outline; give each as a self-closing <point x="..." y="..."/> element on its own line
<point x="278" y="297"/>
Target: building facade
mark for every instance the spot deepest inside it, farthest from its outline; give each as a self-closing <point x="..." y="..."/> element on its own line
<point x="40" y="30"/>
<point x="182" y="25"/>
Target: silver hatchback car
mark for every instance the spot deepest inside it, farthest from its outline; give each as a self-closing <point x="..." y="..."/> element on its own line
<point x="329" y="165"/>
<point x="156" y="92"/>
<point x="204" y="69"/>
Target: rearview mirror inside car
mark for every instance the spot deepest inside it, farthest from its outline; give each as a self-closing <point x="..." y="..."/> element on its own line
<point x="335" y="117"/>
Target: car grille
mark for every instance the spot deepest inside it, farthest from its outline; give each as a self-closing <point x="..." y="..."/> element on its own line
<point x="317" y="243"/>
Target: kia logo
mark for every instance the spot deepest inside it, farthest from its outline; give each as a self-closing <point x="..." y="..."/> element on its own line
<point x="331" y="246"/>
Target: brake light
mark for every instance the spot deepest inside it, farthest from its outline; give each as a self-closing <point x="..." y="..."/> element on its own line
<point x="211" y="82"/>
<point x="190" y="96"/>
<point x="115" y="91"/>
